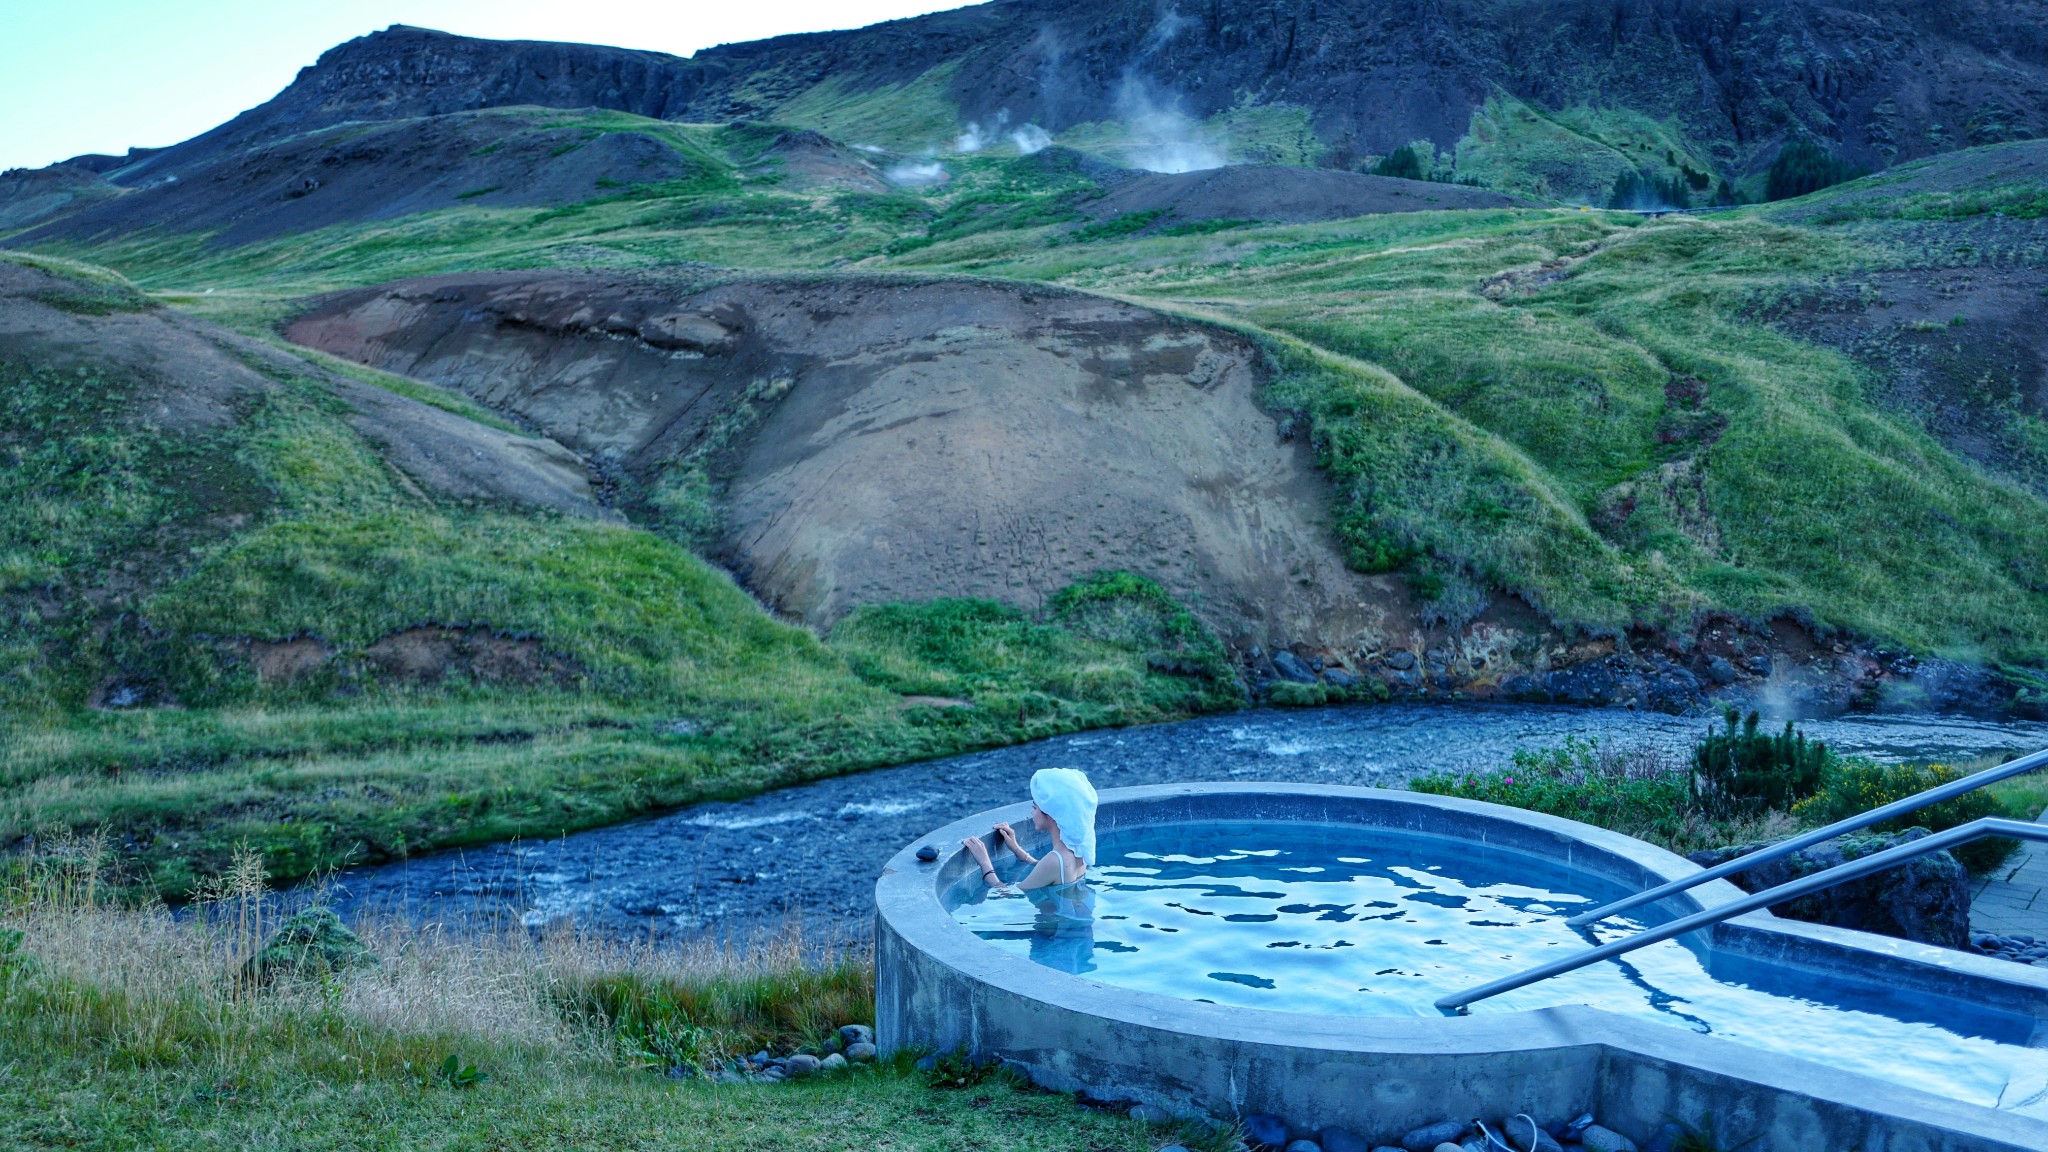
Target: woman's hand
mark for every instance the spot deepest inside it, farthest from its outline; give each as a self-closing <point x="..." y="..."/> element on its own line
<point x="979" y="851"/>
<point x="1008" y="837"/>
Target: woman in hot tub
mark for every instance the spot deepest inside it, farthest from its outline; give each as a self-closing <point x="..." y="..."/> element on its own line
<point x="1063" y="806"/>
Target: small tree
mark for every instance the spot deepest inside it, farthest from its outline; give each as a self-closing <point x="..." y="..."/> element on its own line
<point x="1402" y="163"/>
<point x="1742" y="771"/>
<point x="1803" y="166"/>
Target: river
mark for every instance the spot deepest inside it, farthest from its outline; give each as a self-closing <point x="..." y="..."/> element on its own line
<point x="732" y="869"/>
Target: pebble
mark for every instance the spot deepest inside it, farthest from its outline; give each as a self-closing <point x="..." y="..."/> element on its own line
<point x="1598" y="1139"/>
<point x="1447" y="1146"/>
<point x="833" y="1063"/>
<point x="1304" y="1146"/>
<point x="1430" y="1137"/>
<point x="1343" y="1140"/>
<point x="803" y="1065"/>
<point x="851" y="1034"/>
<point x="1151" y="1114"/>
<point x="860" y="1053"/>
<point x="1265" y="1130"/>
<point x="927" y="853"/>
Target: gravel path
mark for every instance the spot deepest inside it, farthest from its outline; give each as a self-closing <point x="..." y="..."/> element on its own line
<point x="728" y="869"/>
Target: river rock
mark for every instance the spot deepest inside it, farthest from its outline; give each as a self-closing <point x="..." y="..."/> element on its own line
<point x="1926" y="899"/>
<point x="1304" y="1146"/>
<point x="1265" y="1131"/>
<point x="851" y="1034"/>
<point x="1598" y="1139"/>
<point x="1527" y="1136"/>
<point x="833" y="1063"/>
<point x="1448" y="1147"/>
<point x="802" y="1064"/>
<point x="860" y="1053"/>
<point x="1426" y="1139"/>
<point x="1343" y="1140"/>
<point x="1290" y="667"/>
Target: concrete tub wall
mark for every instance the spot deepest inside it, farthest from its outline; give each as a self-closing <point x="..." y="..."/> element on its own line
<point x="941" y="988"/>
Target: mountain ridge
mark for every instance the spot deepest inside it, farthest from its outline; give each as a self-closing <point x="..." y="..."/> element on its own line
<point x="1880" y="83"/>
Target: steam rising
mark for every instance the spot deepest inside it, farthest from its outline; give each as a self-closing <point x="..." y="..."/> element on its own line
<point x="915" y="174"/>
<point x="1162" y="137"/>
<point x="1031" y="138"/>
<point x="978" y="137"/>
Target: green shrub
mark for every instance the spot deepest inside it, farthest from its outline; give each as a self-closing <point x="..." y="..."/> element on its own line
<point x="1128" y="224"/>
<point x="1288" y="694"/>
<point x="1856" y="785"/>
<point x="1638" y="190"/>
<point x="1803" y="167"/>
<point x="1742" y="770"/>
<point x="1402" y="164"/>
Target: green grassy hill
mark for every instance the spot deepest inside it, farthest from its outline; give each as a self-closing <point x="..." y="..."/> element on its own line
<point x="1600" y="415"/>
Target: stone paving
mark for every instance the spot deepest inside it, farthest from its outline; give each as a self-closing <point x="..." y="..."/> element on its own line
<point x="2015" y="898"/>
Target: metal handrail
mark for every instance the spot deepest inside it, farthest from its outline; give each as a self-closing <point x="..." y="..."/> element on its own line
<point x="1792" y="890"/>
<point x="1896" y="808"/>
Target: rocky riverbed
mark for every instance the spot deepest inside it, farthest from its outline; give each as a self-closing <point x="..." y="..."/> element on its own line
<point x="812" y="852"/>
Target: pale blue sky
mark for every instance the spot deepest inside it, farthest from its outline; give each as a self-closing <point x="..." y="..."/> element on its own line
<point x="101" y="75"/>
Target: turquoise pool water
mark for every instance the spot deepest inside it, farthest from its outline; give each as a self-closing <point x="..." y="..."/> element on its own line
<point x="1339" y="920"/>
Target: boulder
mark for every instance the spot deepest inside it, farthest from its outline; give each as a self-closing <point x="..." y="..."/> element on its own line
<point x="312" y="942"/>
<point x="851" y="1034"/>
<point x="1426" y="1138"/>
<point x="1598" y="1139"/>
<point x="1343" y="1140"/>
<point x="1926" y="899"/>
<point x="801" y="1065"/>
<point x="1291" y="667"/>
<point x="1262" y="1130"/>
<point x="833" y="1063"/>
<point x="860" y="1053"/>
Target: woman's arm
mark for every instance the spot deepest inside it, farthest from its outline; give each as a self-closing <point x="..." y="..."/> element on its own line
<point x="1046" y="872"/>
<point x="1008" y="836"/>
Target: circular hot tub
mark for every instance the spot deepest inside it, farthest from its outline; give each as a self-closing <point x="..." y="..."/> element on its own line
<point x="1273" y="948"/>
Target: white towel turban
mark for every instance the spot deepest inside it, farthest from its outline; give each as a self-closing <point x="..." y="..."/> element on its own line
<point x="1066" y="795"/>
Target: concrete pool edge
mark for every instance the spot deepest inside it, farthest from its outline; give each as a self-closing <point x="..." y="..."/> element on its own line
<point x="940" y="987"/>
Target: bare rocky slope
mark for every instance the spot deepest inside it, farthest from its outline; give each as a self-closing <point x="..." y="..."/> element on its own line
<point x="875" y="440"/>
<point x="380" y="171"/>
<point x="865" y="440"/>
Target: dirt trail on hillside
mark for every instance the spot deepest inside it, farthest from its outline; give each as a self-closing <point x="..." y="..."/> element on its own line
<point x="904" y="440"/>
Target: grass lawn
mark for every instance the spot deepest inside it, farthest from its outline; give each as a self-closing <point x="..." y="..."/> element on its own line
<point x="124" y="1028"/>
